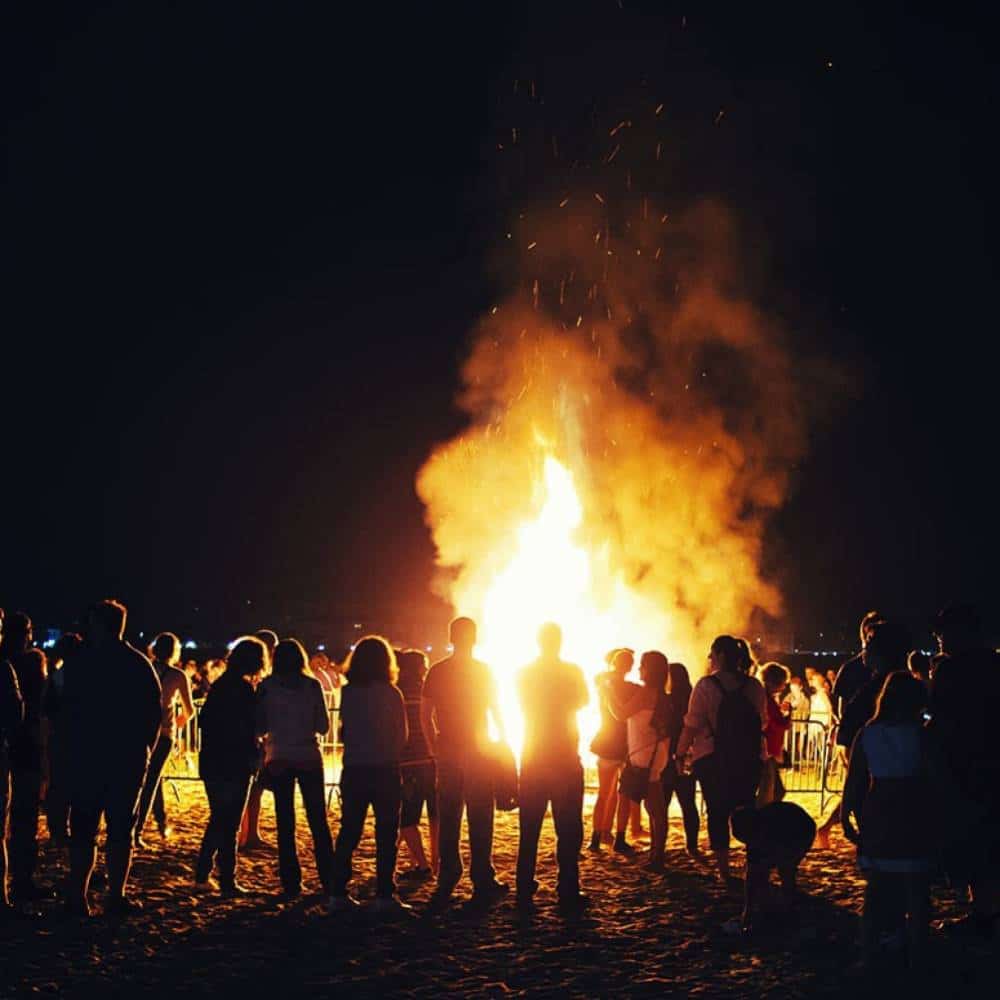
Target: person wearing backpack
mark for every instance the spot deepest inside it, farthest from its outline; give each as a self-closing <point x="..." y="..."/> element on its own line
<point x="723" y="728"/>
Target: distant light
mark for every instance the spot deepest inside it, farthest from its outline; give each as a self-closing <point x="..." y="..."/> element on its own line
<point x="48" y="644"/>
<point x="429" y="649"/>
<point x="190" y="644"/>
<point x="141" y="634"/>
<point x="357" y="625"/>
<point x="229" y="645"/>
<point x="352" y="647"/>
<point x="321" y="647"/>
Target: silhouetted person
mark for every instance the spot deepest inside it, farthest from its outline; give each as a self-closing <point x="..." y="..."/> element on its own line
<point x="723" y="728"/>
<point x="775" y="678"/>
<point x="11" y="717"/>
<point x="417" y="765"/>
<point x="675" y="778"/>
<point x="229" y="759"/>
<point x="646" y="715"/>
<point x="610" y="746"/>
<point x="551" y="692"/>
<point x="250" y="838"/>
<point x="885" y="813"/>
<point x="855" y="672"/>
<point x="374" y="719"/>
<point x="175" y="688"/>
<point x="459" y="699"/>
<point x="777" y="836"/>
<point x="27" y="749"/>
<point x="291" y="716"/>
<point x="59" y="748"/>
<point x="964" y="700"/>
<point x="112" y="704"/>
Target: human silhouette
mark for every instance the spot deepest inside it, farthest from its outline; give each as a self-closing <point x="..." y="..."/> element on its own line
<point x="165" y="652"/>
<point x="374" y="734"/>
<point x="112" y="704"/>
<point x="26" y="754"/>
<point x="459" y="700"/>
<point x="59" y="749"/>
<point x="676" y="778"/>
<point x="551" y="692"/>
<point x="291" y="717"/>
<point x="250" y="838"/>
<point x="11" y="717"/>
<point x="228" y="760"/>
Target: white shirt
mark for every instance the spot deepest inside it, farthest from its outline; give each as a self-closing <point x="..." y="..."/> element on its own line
<point x="703" y="709"/>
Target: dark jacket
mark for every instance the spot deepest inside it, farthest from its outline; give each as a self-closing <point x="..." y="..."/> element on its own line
<point x="227" y="722"/>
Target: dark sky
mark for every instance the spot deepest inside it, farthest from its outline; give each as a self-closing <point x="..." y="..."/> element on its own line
<point x="244" y="248"/>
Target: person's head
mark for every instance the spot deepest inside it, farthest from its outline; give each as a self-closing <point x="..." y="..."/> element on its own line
<point x="957" y="627"/>
<point x="372" y="661"/>
<point x="831" y="676"/>
<point x="730" y="655"/>
<point x="795" y="682"/>
<point x="868" y="622"/>
<point x="887" y="649"/>
<point x="166" y="648"/>
<point x="811" y="673"/>
<point x="412" y="664"/>
<point x="319" y="662"/>
<point x="550" y="640"/>
<point x="679" y="682"/>
<point x="269" y="637"/>
<point x="66" y="645"/>
<point x="462" y="635"/>
<point x="289" y="659"/>
<point x="248" y="657"/>
<point x="919" y="664"/>
<point x="822" y="684"/>
<point x="744" y="824"/>
<point x="902" y="699"/>
<point x="18" y="633"/>
<point x="775" y="677"/>
<point x="621" y="660"/>
<point x="106" y="621"/>
<point x="654" y="669"/>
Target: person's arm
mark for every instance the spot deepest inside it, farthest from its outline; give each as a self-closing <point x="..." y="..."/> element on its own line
<point x="695" y="720"/>
<point x="261" y="724"/>
<point x="623" y="708"/>
<point x="11" y="702"/>
<point x="855" y="787"/>
<point x="427" y="725"/>
<point x="494" y="706"/>
<point x="187" y="700"/>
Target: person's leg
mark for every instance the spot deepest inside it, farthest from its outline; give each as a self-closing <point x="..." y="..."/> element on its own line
<point x="532" y="801"/>
<point x="312" y="786"/>
<point x="451" y="801"/>
<point x="233" y="795"/>
<point x="160" y="807"/>
<point x="211" y="839"/>
<point x="151" y="784"/>
<point x="603" y="807"/>
<point x="4" y="814"/>
<point x="684" y="787"/>
<point x="412" y="804"/>
<point x="918" y="918"/>
<point x="713" y="789"/>
<point x="657" y="808"/>
<point x="56" y="803"/>
<point x="635" y="820"/>
<point x="385" y="803"/>
<point x="289" y="871"/>
<point x="567" y="817"/>
<point x="433" y="824"/>
<point x="356" y="787"/>
<point x="85" y="818"/>
<point x="26" y="786"/>
<point x="479" y="804"/>
<point x="120" y="816"/>
<point x="249" y="827"/>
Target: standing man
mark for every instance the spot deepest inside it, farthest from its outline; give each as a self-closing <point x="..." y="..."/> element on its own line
<point x="458" y="700"/>
<point x="551" y="692"/>
<point x="26" y="752"/>
<point x="113" y="717"/>
<point x="11" y="716"/>
<point x="175" y="688"/>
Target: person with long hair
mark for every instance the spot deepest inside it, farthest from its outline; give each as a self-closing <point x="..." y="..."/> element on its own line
<point x="374" y="734"/>
<point x="647" y="717"/>
<point x="291" y="718"/>
<point x="884" y="812"/>
<point x="724" y="729"/>
<point x="675" y="778"/>
<point x="775" y="678"/>
<point x="229" y="759"/>
<point x="610" y="746"/>
<point x="419" y="775"/>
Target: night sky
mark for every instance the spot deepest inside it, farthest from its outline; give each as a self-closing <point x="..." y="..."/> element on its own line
<point x="245" y="247"/>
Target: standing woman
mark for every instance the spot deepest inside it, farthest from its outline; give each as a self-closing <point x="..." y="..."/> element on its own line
<point x="291" y="716"/>
<point x="610" y="746"/>
<point x="675" y="779"/>
<point x="724" y="728"/>
<point x="419" y="774"/>
<point x="646" y="715"/>
<point x="374" y="732"/>
<point x="228" y="759"/>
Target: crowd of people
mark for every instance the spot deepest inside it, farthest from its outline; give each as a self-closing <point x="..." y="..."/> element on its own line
<point x="911" y="730"/>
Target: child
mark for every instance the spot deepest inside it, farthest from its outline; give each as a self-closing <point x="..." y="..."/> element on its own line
<point x="777" y="836"/>
<point x="884" y="812"/>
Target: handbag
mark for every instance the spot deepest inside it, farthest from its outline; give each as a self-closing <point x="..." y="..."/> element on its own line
<point x="634" y="781"/>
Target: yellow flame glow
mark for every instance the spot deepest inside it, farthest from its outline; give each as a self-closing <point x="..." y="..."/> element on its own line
<point x="550" y="576"/>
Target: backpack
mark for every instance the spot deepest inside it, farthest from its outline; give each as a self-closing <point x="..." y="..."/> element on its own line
<point x="737" y="736"/>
